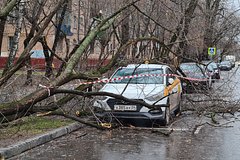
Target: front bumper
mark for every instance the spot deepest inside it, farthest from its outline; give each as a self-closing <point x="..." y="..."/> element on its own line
<point x="141" y="119"/>
<point x="132" y="115"/>
<point x="142" y="116"/>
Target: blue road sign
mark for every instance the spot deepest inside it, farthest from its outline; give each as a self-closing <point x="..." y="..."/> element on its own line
<point x="211" y="51"/>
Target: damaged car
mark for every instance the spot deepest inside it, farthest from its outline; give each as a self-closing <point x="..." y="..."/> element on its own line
<point x="153" y="84"/>
<point x="195" y="79"/>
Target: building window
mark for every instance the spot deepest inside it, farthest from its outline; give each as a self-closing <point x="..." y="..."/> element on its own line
<point x="10" y="42"/>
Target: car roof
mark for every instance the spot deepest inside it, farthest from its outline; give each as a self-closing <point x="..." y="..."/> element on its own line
<point x="190" y="63"/>
<point x="147" y="66"/>
<point x="225" y="61"/>
<point x="208" y="62"/>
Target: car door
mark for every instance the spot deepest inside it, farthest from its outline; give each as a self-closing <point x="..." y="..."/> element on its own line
<point x="174" y="89"/>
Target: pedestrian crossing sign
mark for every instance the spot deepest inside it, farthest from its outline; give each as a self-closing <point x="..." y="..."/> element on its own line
<point x="211" y="51"/>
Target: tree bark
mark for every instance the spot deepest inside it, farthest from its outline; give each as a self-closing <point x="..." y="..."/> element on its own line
<point x="182" y="29"/>
<point x="3" y="17"/>
<point x="49" y="61"/>
<point x="2" y="27"/>
<point x="17" y="34"/>
<point x="186" y="24"/>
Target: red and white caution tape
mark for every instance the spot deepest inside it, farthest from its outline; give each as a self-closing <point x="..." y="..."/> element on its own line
<point x="140" y="75"/>
<point x="128" y="77"/>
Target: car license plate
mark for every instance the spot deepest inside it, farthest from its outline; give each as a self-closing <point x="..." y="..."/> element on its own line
<point x="125" y="107"/>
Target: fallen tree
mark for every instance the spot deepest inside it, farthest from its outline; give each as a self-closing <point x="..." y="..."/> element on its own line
<point x="20" y="107"/>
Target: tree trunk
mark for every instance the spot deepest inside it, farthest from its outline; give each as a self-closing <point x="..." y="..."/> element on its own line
<point x="34" y="19"/>
<point x="17" y="34"/>
<point x="210" y="18"/>
<point x="125" y="27"/>
<point x="182" y="28"/>
<point x="2" y="26"/>
<point x="3" y="17"/>
<point x="48" y="68"/>
<point x="187" y="20"/>
<point x="60" y="20"/>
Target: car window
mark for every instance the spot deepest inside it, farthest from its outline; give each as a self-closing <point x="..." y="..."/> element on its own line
<point x="169" y="71"/>
<point x="209" y="66"/>
<point x="191" y="67"/>
<point x="193" y="70"/>
<point x="225" y="62"/>
<point x="146" y="79"/>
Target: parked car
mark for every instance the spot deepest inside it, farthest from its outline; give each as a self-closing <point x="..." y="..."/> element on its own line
<point x="238" y="63"/>
<point x="225" y="66"/>
<point x="211" y="68"/>
<point x="151" y="85"/>
<point x="231" y="58"/>
<point x="196" y="80"/>
<point x="232" y="64"/>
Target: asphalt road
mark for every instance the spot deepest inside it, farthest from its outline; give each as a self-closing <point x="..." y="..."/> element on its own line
<point x="208" y="141"/>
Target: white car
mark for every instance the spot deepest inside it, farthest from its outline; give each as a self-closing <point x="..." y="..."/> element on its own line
<point x="147" y="83"/>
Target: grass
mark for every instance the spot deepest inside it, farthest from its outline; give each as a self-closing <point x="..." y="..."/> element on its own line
<point x="33" y="125"/>
<point x="30" y="125"/>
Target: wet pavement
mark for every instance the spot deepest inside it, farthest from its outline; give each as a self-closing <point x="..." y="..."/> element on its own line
<point x="208" y="141"/>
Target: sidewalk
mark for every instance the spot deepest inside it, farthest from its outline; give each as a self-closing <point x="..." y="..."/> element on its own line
<point x="30" y="143"/>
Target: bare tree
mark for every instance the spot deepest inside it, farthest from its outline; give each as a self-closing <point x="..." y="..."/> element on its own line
<point x="146" y="29"/>
<point x="212" y="9"/>
<point x="8" y="7"/>
<point x="67" y="75"/>
<point x="14" y="49"/>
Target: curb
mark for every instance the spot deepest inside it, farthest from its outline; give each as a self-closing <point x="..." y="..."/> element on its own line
<point x="30" y="143"/>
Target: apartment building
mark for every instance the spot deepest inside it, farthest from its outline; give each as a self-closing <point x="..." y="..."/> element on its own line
<point x="72" y="30"/>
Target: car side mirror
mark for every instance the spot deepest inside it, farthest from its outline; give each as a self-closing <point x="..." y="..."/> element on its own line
<point x="170" y="81"/>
